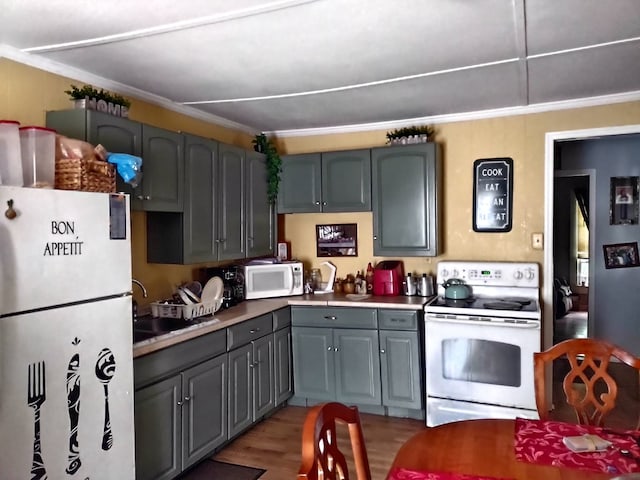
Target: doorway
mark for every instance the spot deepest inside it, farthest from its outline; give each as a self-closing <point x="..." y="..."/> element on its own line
<point x="572" y="239"/>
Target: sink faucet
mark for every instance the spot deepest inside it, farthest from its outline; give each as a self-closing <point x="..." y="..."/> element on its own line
<point x="134" y="304"/>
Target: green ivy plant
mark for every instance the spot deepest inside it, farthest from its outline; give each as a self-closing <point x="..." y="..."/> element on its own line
<point x="274" y="164"/>
<point x="89" y="91"/>
<point x="410" y="131"/>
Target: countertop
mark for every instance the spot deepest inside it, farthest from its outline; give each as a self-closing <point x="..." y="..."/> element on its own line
<point x="254" y="308"/>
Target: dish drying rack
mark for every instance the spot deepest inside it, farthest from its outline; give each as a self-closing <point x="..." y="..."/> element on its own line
<point x="187" y="312"/>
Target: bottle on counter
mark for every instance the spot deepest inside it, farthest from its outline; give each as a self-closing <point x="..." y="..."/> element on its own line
<point x="369" y="278"/>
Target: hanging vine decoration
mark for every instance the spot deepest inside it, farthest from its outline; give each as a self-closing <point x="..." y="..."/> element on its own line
<point x="274" y="164"/>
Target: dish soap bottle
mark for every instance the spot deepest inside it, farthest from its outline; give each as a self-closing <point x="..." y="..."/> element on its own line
<point x="369" y="278"/>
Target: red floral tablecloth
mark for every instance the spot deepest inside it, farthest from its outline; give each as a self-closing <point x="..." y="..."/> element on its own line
<point x="405" y="474"/>
<point x="538" y="441"/>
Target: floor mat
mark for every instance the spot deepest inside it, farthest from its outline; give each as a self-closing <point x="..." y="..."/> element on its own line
<point x="214" y="470"/>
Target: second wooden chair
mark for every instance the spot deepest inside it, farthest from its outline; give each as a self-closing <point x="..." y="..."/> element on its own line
<point x="588" y="386"/>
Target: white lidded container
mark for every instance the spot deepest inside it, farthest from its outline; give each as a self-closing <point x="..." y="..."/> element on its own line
<point x="38" y="146"/>
<point x="10" y="163"/>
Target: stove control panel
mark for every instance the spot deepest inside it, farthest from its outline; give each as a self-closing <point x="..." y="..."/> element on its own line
<point x="508" y="274"/>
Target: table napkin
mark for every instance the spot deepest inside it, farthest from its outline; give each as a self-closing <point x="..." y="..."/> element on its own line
<point x="586" y="443"/>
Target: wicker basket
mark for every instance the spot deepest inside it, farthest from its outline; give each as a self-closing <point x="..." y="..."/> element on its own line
<point x="87" y="175"/>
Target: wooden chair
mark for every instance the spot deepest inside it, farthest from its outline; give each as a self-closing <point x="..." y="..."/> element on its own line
<point x="588" y="359"/>
<point x="321" y="457"/>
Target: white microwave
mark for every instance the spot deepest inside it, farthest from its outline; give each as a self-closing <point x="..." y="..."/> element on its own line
<point x="273" y="280"/>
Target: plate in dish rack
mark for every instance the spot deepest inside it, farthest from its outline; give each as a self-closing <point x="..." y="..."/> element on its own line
<point x="212" y="292"/>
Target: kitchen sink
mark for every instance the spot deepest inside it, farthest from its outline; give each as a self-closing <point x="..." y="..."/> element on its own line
<point x="140" y="335"/>
<point x="159" y="325"/>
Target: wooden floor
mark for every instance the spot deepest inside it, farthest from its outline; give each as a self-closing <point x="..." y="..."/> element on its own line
<point x="274" y="444"/>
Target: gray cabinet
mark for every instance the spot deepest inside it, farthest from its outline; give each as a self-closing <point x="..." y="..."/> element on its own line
<point x="231" y="203"/>
<point x="161" y="188"/>
<point x="180" y="406"/>
<point x="282" y="360"/>
<point x="400" y="365"/>
<point x="335" y="353"/>
<point x="260" y="221"/>
<point x="405" y="200"/>
<point x="189" y="237"/>
<point x="251" y="372"/>
<point x="326" y="182"/>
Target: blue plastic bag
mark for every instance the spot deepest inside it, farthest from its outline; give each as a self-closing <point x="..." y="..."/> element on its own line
<point x="128" y="167"/>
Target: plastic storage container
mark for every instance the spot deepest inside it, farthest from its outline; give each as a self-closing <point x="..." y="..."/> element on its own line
<point x="10" y="159"/>
<point x="38" y="145"/>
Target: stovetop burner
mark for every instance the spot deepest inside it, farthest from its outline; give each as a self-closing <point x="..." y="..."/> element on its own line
<point x="503" y="305"/>
<point x="488" y="303"/>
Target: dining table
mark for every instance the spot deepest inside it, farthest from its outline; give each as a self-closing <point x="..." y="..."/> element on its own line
<point x="474" y="449"/>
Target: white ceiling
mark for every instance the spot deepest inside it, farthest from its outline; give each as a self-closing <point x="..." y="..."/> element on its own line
<point x="289" y="66"/>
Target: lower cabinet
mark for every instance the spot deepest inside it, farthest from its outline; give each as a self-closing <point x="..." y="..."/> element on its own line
<point x="361" y="356"/>
<point x="195" y="396"/>
<point x="181" y="419"/>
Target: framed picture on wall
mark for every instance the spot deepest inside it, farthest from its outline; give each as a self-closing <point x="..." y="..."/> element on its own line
<point x="624" y="201"/>
<point x="621" y="255"/>
<point x="337" y="240"/>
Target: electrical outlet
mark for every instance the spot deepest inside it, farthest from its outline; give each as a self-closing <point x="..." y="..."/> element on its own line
<point x="536" y="241"/>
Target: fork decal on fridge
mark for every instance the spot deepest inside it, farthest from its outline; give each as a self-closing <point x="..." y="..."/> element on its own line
<point x="36" y="396"/>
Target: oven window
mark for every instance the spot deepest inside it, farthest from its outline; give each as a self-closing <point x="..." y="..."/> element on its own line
<point x="482" y="361"/>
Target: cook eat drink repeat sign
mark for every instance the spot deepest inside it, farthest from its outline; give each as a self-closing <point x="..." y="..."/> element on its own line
<point x="492" y="194"/>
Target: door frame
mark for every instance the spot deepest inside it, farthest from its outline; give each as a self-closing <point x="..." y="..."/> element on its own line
<point x="549" y="157"/>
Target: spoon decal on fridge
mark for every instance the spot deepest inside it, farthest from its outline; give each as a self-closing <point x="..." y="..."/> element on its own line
<point x="73" y="409"/>
<point x="105" y="369"/>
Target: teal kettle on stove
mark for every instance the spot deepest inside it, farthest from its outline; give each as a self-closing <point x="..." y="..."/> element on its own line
<point x="456" y="289"/>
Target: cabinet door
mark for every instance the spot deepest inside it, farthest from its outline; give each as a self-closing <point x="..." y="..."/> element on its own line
<point x="357" y="366"/>
<point x="313" y="363"/>
<point x="346" y="181"/>
<point x="263" y="376"/>
<point x="400" y="368"/>
<point x="405" y="200"/>
<point x="259" y="219"/>
<point x="240" y="389"/>
<point x="158" y="430"/>
<point x="204" y="414"/>
<point x="283" y="367"/>
<point x="300" y="187"/>
<point x="162" y="170"/>
<point x="231" y="213"/>
<point x="200" y="203"/>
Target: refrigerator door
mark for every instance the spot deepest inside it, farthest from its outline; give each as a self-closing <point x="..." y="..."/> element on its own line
<point x="66" y="393"/>
<point x="62" y="247"/>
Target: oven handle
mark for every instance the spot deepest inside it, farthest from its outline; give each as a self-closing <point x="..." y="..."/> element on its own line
<point x="529" y="325"/>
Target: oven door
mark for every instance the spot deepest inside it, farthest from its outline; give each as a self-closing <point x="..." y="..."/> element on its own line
<point x="481" y="361"/>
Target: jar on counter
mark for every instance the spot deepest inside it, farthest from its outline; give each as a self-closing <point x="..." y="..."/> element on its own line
<point x="316" y="279"/>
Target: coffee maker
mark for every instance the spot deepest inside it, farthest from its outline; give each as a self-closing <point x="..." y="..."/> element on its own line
<point x="233" y="283"/>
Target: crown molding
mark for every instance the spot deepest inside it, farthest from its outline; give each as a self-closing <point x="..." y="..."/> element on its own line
<point x="57" y="68"/>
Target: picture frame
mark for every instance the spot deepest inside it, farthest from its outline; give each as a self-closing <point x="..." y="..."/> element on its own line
<point x="621" y="255"/>
<point x="337" y="240"/>
<point x="624" y="201"/>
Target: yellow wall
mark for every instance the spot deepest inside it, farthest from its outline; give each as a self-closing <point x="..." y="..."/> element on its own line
<point x="26" y="93"/>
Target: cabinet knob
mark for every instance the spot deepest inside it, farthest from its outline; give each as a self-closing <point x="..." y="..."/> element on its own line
<point x="187" y="398"/>
<point x="255" y="364"/>
<point x="179" y="403"/>
<point x="382" y="350"/>
<point x="324" y="203"/>
<point x="140" y="197"/>
<point x="254" y="330"/>
<point x="330" y="317"/>
<point x="329" y="348"/>
<point x="147" y="197"/>
<point x="375" y="237"/>
<point x="335" y="349"/>
<point x="317" y="203"/>
<point x="252" y="365"/>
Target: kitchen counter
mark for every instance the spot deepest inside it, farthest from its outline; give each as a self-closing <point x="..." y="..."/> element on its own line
<point x="254" y="308"/>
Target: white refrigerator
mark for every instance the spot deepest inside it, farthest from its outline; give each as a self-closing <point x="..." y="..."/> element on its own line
<point x="66" y="366"/>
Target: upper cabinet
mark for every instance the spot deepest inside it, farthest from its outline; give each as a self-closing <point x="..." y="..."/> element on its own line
<point x="326" y="182"/>
<point x="161" y="188"/>
<point x="259" y="224"/>
<point x="406" y="184"/>
<point x="231" y="207"/>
